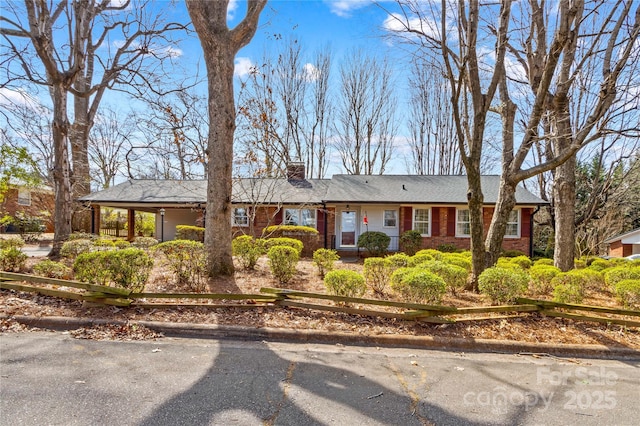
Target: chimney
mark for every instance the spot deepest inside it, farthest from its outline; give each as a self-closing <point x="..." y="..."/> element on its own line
<point x="295" y="170"/>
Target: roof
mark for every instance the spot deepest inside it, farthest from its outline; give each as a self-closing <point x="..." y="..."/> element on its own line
<point x="631" y="237"/>
<point x="398" y="189"/>
<point x="416" y="189"/>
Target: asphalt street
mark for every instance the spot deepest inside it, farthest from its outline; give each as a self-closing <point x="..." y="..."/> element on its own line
<point x="53" y="379"/>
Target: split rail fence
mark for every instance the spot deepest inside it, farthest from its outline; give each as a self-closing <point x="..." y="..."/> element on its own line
<point x="278" y="297"/>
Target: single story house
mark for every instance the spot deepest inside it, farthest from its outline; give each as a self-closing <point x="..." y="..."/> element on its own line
<point x="624" y="245"/>
<point x="340" y="208"/>
<point x="32" y="202"/>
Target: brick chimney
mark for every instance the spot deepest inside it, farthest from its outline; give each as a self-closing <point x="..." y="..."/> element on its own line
<point x="295" y="170"/>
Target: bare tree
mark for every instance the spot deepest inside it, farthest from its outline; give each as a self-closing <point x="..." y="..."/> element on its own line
<point x="220" y="45"/>
<point x="366" y="124"/>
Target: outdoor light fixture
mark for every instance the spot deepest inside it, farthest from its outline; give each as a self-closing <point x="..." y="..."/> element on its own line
<point x="162" y="225"/>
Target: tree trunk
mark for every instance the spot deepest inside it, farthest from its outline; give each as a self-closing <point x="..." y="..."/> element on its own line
<point x="476" y="201"/>
<point x="495" y="235"/>
<point x="564" y="195"/>
<point x="81" y="177"/>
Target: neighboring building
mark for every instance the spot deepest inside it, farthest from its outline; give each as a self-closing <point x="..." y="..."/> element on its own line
<point x="340" y="208"/>
<point x="624" y="245"/>
<point x="30" y="201"/>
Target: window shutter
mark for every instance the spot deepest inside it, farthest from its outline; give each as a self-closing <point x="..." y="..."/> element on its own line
<point x="321" y="221"/>
<point x="435" y="221"/>
<point x="525" y="223"/>
<point x="451" y="221"/>
<point x="277" y="219"/>
<point x="408" y="219"/>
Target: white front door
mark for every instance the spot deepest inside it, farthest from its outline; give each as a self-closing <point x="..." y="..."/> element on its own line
<point x="348" y="226"/>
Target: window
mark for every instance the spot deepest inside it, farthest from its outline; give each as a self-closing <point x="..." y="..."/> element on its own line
<point x="463" y="224"/>
<point x="240" y="217"/>
<point x="390" y="218"/>
<point x="421" y="221"/>
<point x="24" y="197"/>
<point x="301" y="217"/>
<point x="513" y="224"/>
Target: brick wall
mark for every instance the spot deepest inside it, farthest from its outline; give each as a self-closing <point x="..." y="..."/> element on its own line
<point x="42" y="204"/>
<point x="617" y="249"/>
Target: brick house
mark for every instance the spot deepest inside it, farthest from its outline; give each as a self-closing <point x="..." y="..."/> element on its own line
<point x="30" y="201"/>
<point x="340" y="208"/>
<point x="624" y="245"/>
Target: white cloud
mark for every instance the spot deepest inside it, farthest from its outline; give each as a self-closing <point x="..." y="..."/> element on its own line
<point x="396" y="23"/>
<point x="311" y="72"/>
<point x="243" y="67"/>
<point x="343" y="8"/>
<point x="232" y="7"/>
<point x="17" y="97"/>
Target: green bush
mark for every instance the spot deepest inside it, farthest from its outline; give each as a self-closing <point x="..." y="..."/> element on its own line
<point x="503" y="285"/>
<point x="544" y="261"/>
<point x="590" y="279"/>
<point x="346" y="283"/>
<point x="458" y="259"/>
<point x="628" y="292"/>
<point x="82" y="236"/>
<point x="73" y="248"/>
<point x="187" y="259"/>
<point x="435" y="254"/>
<point x="92" y="267"/>
<point x="284" y="241"/>
<point x="579" y="264"/>
<point x="411" y="241"/>
<point x="324" y="260"/>
<point x="419" y="285"/>
<point x="104" y="244"/>
<point x="144" y="242"/>
<point x="600" y="264"/>
<point x="377" y="272"/>
<point x="398" y="260"/>
<point x="419" y="258"/>
<point x="49" y="268"/>
<point x="11" y="243"/>
<point x="130" y="268"/>
<point x="247" y="249"/>
<point x="505" y="263"/>
<point x="613" y="276"/>
<point x="568" y="288"/>
<point x="448" y="248"/>
<point x="454" y="276"/>
<point x="121" y="244"/>
<point x="541" y="276"/>
<point x="284" y="230"/>
<point x="12" y="259"/>
<point x="375" y="242"/>
<point x="398" y="275"/>
<point x="522" y="261"/>
<point x="190" y="232"/>
<point x="512" y="253"/>
<point x="283" y="261"/>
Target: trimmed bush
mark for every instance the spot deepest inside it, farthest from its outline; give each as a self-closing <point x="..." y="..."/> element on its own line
<point x="420" y="286"/>
<point x="377" y="273"/>
<point x="600" y="264"/>
<point x="11" y="243"/>
<point x="613" y="276"/>
<point x="628" y="292"/>
<point x="82" y="236"/>
<point x="544" y="261"/>
<point x="512" y="253"/>
<point x="590" y="279"/>
<point x="568" y="288"/>
<point x="121" y="244"/>
<point x="454" y="276"/>
<point x="541" y="276"/>
<point x="190" y="232"/>
<point x="12" y="259"/>
<point x="458" y="259"/>
<point x="411" y="241"/>
<point x="522" y="261"/>
<point x="278" y="231"/>
<point x="92" y="267"/>
<point x="435" y="254"/>
<point x="187" y="259"/>
<point x="144" y="242"/>
<point x="579" y="264"/>
<point x="448" y="248"/>
<point x="398" y="260"/>
<point x="247" y="249"/>
<point x="503" y="285"/>
<point x="346" y="283"/>
<point x="104" y="244"/>
<point x="419" y="258"/>
<point x="73" y="248"/>
<point x="505" y="263"/>
<point x="50" y="269"/>
<point x="324" y="260"/>
<point x="126" y="268"/>
<point x="283" y="241"/>
<point x="375" y="242"/>
<point x="283" y="261"/>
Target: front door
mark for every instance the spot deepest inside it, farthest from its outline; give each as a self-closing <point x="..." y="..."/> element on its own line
<point x="348" y="222"/>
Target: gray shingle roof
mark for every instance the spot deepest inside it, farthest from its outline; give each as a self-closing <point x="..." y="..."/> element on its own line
<point x="403" y="189"/>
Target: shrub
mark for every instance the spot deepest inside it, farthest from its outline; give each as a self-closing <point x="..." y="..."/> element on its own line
<point x="398" y="275"/>
<point x="121" y="244"/>
<point x="49" y="268"/>
<point x="283" y="261"/>
<point x="628" y="292"/>
<point x="92" y="267"/>
<point x="104" y="244"/>
<point x="590" y="279"/>
<point x="187" y="260"/>
<point x="435" y="254"/>
<point x="447" y="248"/>
<point x="420" y="258"/>
<point x="144" y="242"/>
<point x="377" y="272"/>
<point x="190" y="232"/>
<point x="613" y="276"/>
<point x="375" y="242"/>
<point x="398" y="260"/>
<point x="12" y="259"/>
<point x="324" y="259"/>
<point x="458" y="259"/>
<point x="345" y="283"/>
<point x="454" y="276"/>
<point x="541" y="276"/>
<point x="284" y="230"/>
<point x="421" y="286"/>
<point x="129" y="268"/>
<point x="247" y="249"/>
<point x="503" y="285"/>
<point x="544" y="261"/>
<point x="284" y="241"/>
<point x="522" y="261"/>
<point x="579" y="264"/>
<point x="11" y="243"/>
<point x="505" y="263"/>
<point x="73" y="248"/>
<point x="512" y="253"/>
<point x="600" y="264"/>
<point x="411" y="241"/>
<point x="82" y="236"/>
<point x="567" y="288"/>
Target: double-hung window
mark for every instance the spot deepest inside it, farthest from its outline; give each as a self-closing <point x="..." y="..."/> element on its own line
<point x="390" y="218"/>
<point x="463" y="223"/>
<point x="240" y="216"/>
<point x="421" y="218"/>
<point x="513" y="224"/>
<point x="301" y="217"/>
<point x="24" y="197"/>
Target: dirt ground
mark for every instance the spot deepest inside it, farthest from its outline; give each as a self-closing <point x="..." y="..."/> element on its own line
<point x="524" y="327"/>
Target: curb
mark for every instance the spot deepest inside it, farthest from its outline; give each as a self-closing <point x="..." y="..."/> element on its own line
<point x="212" y="331"/>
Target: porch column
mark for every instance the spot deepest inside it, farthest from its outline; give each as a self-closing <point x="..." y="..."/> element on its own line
<point x="131" y="224"/>
<point x="96" y="220"/>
